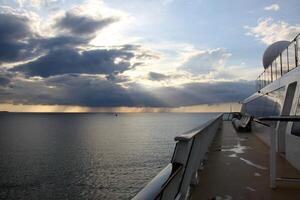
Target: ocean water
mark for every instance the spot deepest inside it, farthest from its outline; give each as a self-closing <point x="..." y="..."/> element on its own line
<point x="86" y="156"/>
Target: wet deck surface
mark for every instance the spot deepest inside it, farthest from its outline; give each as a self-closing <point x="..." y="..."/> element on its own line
<point x="238" y="168"/>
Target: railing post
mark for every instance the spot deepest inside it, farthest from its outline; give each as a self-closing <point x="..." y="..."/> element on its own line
<point x="273" y="133"/>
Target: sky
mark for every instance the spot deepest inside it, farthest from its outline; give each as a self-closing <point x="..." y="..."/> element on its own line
<point x="137" y="55"/>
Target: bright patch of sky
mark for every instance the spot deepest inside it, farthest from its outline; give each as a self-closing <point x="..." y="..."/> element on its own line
<point x="208" y="23"/>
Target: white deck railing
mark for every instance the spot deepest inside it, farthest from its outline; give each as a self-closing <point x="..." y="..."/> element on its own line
<point x="175" y="180"/>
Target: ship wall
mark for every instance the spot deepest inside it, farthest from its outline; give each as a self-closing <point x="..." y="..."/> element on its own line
<point x="281" y="97"/>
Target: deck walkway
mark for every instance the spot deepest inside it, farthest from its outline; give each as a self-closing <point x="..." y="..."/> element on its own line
<point x="238" y="168"/>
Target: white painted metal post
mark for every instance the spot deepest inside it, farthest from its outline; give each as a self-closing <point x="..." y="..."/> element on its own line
<point x="273" y="134"/>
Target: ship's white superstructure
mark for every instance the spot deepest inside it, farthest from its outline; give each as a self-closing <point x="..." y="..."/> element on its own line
<point x="279" y="95"/>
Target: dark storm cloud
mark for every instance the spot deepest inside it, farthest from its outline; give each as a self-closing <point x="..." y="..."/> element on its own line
<point x="14" y="32"/>
<point x="82" y="90"/>
<point x="130" y="47"/>
<point x="94" y="91"/>
<point x="60" y="41"/>
<point x="154" y="76"/>
<point x="18" y="42"/>
<point x="60" y="54"/>
<point x="79" y="24"/>
<point x="91" y="91"/>
<point x="4" y="80"/>
<point x="206" y="93"/>
<point x="68" y="60"/>
<point x="13" y="27"/>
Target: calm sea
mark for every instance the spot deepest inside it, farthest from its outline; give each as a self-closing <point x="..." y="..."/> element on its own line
<point x="86" y="156"/>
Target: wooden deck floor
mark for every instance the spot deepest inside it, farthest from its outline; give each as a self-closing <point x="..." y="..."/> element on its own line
<point x="238" y="168"/>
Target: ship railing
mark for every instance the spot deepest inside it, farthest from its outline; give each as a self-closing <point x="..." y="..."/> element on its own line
<point x="176" y="179"/>
<point x="273" y="142"/>
<point x="286" y="61"/>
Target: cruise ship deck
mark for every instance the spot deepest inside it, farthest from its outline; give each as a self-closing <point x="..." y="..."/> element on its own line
<point x="238" y="168"/>
<point x="218" y="161"/>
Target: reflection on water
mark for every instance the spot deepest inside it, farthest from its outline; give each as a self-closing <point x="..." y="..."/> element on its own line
<point x="85" y="156"/>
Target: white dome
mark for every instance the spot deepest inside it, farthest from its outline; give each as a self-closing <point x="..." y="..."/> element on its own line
<point x="273" y="51"/>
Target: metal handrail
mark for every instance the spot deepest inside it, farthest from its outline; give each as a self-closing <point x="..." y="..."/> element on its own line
<point x="189" y="135"/>
<point x="296" y="60"/>
<point x="175" y="179"/>
<point x="283" y="118"/>
<point x="260" y="122"/>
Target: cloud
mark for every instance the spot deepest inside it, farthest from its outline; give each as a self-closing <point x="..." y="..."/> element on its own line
<point x="14" y="34"/>
<point x="69" y="60"/>
<point x="46" y="56"/>
<point x="166" y="2"/>
<point x="269" y="31"/>
<point x="80" y="24"/>
<point x="60" y="41"/>
<point x="65" y="67"/>
<point x="204" y="62"/>
<point x="206" y="93"/>
<point x="154" y="76"/>
<point x="272" y="7"/>
<point x="14" y="27"/>
<point x="36" y="3"/>
<point x="4" y="80"/>
<point x="68" y="89"/>
<point x="20" y="42"/>
<point x="96" y="91"/>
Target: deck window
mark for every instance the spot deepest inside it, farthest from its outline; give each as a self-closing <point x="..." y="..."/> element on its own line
<point x="292" y="56"/>
<point x="296" y="125"/>
<point x="265" y="78"/>
<point x="284" y="62"/>
<point x="274" y="70"/>
<point x="260" y="82"/>
<point x="271" y="71"/>
<point x="269" y="75"/>
<point x="267" y="104"/>
<point x="278" y="64"/>
<point x="298" y="50"/>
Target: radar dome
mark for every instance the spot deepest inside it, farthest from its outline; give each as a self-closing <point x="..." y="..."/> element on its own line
<point x="273" y="51"/>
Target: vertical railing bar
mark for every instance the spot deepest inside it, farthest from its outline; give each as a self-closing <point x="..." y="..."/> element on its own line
<point x="273" y="158"/>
